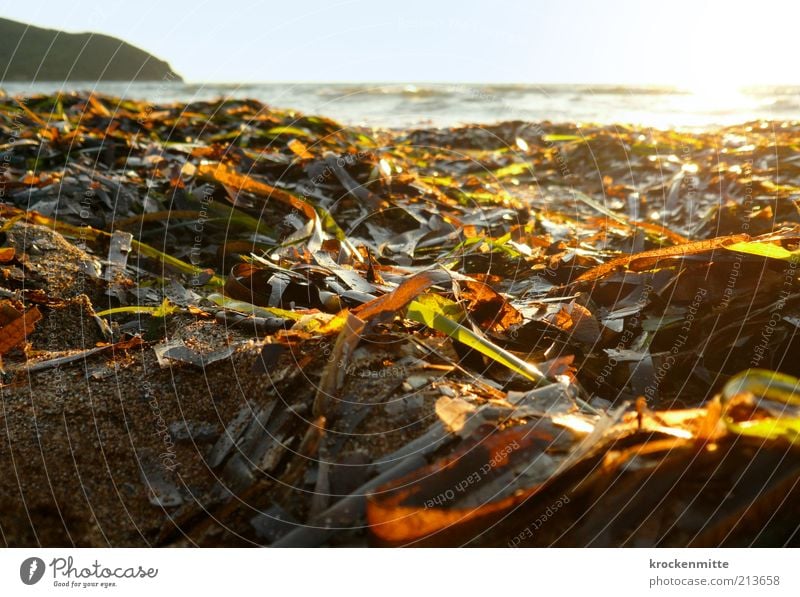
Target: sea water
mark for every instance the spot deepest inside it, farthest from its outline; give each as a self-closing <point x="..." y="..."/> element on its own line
<point x="395" y="105"/>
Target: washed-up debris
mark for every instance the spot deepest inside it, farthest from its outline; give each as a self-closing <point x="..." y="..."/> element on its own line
<point x="297" y="333"/>
<point x="15" y="326"/>
<point x="491" y="491"/>
<point x="182" y="354"/>
<point x="82" y="355"/>
<point x="259" y="325"/>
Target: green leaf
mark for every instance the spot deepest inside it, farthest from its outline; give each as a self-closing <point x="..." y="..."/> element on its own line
<point x="764" y="386"/>
<point x="250" y="309"/>
<point x="164" y="309"/>
<point x="469" y="198"/>
<point x="771" y="385"/>
<point x="764" y="250"/>
<point x="495" y="245"/>
<point x="230" y="215"/>
<point x="768" y="428"/>
<point x="558" y="138"/>
<point x="288" y="130"/>
<point x="437" y="313"/>
<point x="512" y="170"/>
<point x="173" y="262"/>
<point x="441" y="181"/>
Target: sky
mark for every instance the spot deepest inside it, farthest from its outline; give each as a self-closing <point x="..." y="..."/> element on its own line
<point x="689" y="43"/>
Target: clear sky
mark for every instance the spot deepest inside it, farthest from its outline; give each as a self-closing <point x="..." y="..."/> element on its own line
<point x="697" y="43"/>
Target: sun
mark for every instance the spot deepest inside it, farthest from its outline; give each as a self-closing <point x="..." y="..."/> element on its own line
<point x="712" y="94"/>
<point x="716" y="91"/>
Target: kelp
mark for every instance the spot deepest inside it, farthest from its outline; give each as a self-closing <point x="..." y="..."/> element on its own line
<point x="651" y="259"/>
<point x="502" y="488"/>
<point x="433" y="312"/>
<point x="485" y="335"/>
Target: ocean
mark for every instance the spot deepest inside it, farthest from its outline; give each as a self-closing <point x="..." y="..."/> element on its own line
<point x="414" y="105"/>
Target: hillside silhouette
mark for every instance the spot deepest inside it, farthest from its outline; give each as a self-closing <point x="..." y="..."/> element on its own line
<point x="36" y="54"/>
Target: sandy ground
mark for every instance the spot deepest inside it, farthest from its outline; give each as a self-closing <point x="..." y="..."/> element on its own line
<point x="109" y="449"/>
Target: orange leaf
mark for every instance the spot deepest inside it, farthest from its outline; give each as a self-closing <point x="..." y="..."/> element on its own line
<point x="300" y="150"/>
<point x="7" y="254"/>
<point x="19" y="329"/>
<point x="649" y="259"/>
<point x="226" y="175"/>
<point x="98" y="107"/>
<point x="400" y="296"/>
<point x="357" y="320"/>
<point x="425" y="502"/>
<point x="577" y="321"/>
<point x="660" y="230"/>
<point x="487" y="307"/>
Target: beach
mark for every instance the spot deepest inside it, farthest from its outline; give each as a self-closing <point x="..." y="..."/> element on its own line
<point x="226" y="323"/>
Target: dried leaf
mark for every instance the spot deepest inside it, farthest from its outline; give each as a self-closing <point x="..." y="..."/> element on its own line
<point x="7" y="254"/>
<point x="487" y="307"/>
<point x="397" y="299"/>
<point x="16" y="331"/>
<point x="650" y="259"/>
<point x="226" y="175"/>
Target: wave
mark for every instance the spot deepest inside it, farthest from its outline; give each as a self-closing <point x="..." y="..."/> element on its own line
<point x="398" y="105"/>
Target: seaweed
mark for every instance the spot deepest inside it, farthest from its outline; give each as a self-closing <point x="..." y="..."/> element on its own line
<point x="428" y="337"/>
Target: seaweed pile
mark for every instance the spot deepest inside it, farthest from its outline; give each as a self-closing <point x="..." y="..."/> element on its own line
<point x="225" y="324"/>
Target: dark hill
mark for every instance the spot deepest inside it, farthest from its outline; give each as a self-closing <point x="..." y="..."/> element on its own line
<point x="30" y="53"/>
